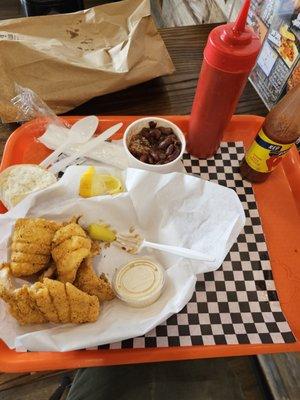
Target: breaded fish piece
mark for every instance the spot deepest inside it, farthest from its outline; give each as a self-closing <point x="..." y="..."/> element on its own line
<point x="20" y="269"/>
<point x="50" y="301"/>
<point x="8" y="297"/>
<point x="95" y="248"/>
<point x="31" y="248"/>
<point x="6" y="292"/>
<point x="33" y="230"/>
<point x="70" y="246"/>
<point x="26" y="258"/>
<point x="68" y="265"/>
<point x="87" y="281"/>
<point x="5" y="266"/>
<point x="59" y="298"/>
<point x="67" y="231"/>
<point x="31" y="245"/>
<point x="22" y="308"/>
<point x="30" y="312"/>
<point x="39" y="294"/>
<point x="83" y="307"/>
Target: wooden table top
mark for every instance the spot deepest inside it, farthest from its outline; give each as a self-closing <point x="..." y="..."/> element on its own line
<point x="165" y="95"/>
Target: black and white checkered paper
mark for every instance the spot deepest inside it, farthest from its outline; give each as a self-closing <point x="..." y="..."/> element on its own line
<point x="238" y="303"/>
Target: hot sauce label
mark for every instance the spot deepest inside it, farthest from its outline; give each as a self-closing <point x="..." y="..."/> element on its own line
<point x="264" y="155"/>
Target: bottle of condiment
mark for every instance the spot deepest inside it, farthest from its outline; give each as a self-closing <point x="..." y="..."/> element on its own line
<point x="279" y="132"/>
<point x="293" y="81"/>
<point x="229" y="57"/>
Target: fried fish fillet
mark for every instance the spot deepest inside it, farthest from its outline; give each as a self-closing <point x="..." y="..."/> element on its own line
<point x="22" y="307"/>
<point x="13" y="307"/>
<point x="31" y="248"/>
<point x="50" y="301"/>
<point x="31" y="245"/>
<point x="70" y="246"/>
<point x="67" y="231"/>
<point x="87" y="281"/>
<point x="59" y="298"/>
<point x="83" y="307"/>
<point x="39" y="294"/>
<point x="5" y="266"/>
<point x="5" y="292"/>
<point x="95" y="248"/>
<point x="51" y="271"/>
<point x="29" y="310"/>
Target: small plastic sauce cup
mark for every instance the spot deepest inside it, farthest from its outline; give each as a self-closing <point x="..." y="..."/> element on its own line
<point x="139" y="283"/>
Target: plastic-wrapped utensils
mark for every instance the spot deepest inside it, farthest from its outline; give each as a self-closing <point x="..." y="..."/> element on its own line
<point x="85" y="149"/>
<point x="80" y="132"/>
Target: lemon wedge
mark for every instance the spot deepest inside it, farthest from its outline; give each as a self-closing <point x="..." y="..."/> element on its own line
<point x="90" y="185"/>
<point x="113" y="184"/>
<point x="101" y="232"/>
<point x="85" y="186"/>
<point x="93" y="184"/>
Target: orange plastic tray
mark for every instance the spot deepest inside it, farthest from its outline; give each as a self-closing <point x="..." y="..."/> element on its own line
<point x="278" y="201"/>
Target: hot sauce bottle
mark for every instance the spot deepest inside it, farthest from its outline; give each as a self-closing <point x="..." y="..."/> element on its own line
<point x="279" y="132"/>
<point x="229" y="57"/>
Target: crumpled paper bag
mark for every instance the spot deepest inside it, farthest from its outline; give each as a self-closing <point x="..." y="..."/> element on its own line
<point x="69" y="58"/>
<point x="179" y="209"/>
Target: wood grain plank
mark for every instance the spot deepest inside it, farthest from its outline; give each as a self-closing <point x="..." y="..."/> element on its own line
<point x="207" y="11"/>
<point x="156" y="12"/>
<point x="10" y="9"/>
<point x="282" y="373"/>
<point x="8" y="378"/>
<point x="216" y="14"/>
<point x="5" y="131"/>
<point x="190" y="12"/>
<point x="8" y="381"/>
<point x="245" y="371"/>
<point x="40" y="389"/>
<point x="177" y="13"/>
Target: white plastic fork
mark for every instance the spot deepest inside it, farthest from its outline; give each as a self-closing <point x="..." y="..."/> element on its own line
<point x="134" y="243"/>
<point x="178" y="251"/>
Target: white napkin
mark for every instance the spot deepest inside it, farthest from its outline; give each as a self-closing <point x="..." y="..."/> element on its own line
<point x="174" y="208"/>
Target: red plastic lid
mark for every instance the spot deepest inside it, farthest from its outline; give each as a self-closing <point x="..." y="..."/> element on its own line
<point x="233" y="47"/>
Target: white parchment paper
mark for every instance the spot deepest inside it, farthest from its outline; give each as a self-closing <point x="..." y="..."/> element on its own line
<point x="175" y="209"/>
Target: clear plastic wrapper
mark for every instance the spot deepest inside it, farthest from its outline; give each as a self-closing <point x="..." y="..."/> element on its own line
<point x="29" y="105"/>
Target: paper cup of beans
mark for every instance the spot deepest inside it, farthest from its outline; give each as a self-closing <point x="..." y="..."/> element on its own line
<point x="154" y="144"/>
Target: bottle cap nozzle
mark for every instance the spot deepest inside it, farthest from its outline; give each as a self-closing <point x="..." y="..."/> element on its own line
<point x="240" y="23"/>
<point x="233" y="46"/>
<point x="236" y="33"/>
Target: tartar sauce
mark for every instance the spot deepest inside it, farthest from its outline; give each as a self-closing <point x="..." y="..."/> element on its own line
<point x="139" y="283"/>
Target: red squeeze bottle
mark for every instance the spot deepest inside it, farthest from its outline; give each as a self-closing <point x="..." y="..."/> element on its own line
<point x="229" y="57"/>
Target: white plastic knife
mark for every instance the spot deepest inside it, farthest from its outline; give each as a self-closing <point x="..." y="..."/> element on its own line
<point x="90" y="145"/>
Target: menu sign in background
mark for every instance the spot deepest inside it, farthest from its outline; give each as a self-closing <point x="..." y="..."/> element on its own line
<point x="278" y="25"/>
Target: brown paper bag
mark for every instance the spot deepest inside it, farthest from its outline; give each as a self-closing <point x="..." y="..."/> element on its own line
<point x="69" y="58"/>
